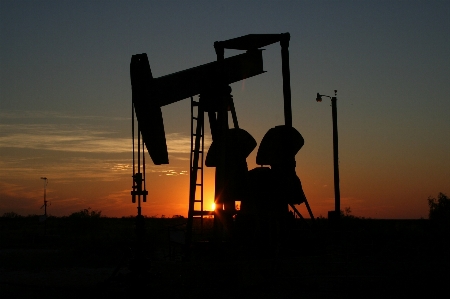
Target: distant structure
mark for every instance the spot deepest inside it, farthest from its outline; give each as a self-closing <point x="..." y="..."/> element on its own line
<point x="268" y="194"/>
<point x="45" y="196"/>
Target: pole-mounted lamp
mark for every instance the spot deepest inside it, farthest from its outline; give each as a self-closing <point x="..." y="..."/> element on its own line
<point x="337" y="195"/>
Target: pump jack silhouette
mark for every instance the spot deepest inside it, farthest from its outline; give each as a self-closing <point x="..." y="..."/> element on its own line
<point x="265" y="192"/>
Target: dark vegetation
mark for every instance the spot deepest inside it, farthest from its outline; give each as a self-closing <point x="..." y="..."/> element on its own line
<point x="439" y="213"/>
<point x="360" y="258"/>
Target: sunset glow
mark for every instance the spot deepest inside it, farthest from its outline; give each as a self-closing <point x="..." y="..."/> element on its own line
<point x="65" y="101"/>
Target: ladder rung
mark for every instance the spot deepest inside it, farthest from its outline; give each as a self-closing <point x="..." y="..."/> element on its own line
<point x="197" y="173"/>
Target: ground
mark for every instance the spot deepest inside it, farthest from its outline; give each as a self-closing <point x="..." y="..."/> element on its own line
<point x="363" y="258"/>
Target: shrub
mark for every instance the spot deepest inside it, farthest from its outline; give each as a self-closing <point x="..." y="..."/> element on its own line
<point x="86" y="213"/>
<point x="11" y="215"/>
<point x="439" y="208"/>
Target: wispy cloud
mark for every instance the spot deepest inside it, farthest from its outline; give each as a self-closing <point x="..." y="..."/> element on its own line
<point x="69" y="168"/>
<point x="173" y="172"/>
<point x="60" y="137"/>
<point x="65" y="168"/>
<point x="18" y="191"/>
<point x="19" y="198"/>
<point x="83" y="138"/>
<point x="39" y="143"/>
<point x="49" y="115"/>
<point x="178" y="143"/>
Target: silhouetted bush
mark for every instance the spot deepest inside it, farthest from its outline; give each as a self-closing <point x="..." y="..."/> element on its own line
<point x="439" y="208"/>
<point x="11" y="215"/>
<point x="439" y="215"/>
<point x="86" y="213"/>
<point x="347" y="214"/>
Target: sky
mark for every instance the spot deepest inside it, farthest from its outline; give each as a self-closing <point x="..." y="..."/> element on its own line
<point x="65" y="100"/>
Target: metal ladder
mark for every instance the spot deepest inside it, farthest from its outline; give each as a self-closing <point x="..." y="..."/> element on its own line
<point x="196" y="169"/>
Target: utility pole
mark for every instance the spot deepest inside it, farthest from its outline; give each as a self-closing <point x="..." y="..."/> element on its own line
<point x="45" y="196"/>
<point x="337" y="193"/>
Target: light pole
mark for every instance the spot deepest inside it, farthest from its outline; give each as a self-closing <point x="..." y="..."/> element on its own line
<point x="337" y="194"/>
<point x="45" y="195"/>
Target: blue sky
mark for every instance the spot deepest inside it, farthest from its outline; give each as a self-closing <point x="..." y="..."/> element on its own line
<point x="65" y="98"/>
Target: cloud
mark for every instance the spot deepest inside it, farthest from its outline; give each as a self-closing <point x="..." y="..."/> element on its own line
<point x="34" y="144"/>
<point x="64" y="168"/>
<point x="18" y="191"/>
<point x="67" y="169"/>
<point x="49" y="115"/>
<point x="62" y="137"/>
<point x="79" y="139"/>
<point x="19" y="198"/>
<point x="172" y="172"/>
<point x="178" y="143"/>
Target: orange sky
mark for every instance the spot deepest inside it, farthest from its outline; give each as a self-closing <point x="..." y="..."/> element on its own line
<point x="65" y="99"/>
<point x="104" y="184"/>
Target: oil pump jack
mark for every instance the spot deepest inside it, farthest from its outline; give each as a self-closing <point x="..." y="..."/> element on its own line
<point x="265" y="192"/>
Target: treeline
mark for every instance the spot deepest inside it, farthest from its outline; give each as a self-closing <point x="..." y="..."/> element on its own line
<point x="439" y="211"/>
<point x="82" y="214"/>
